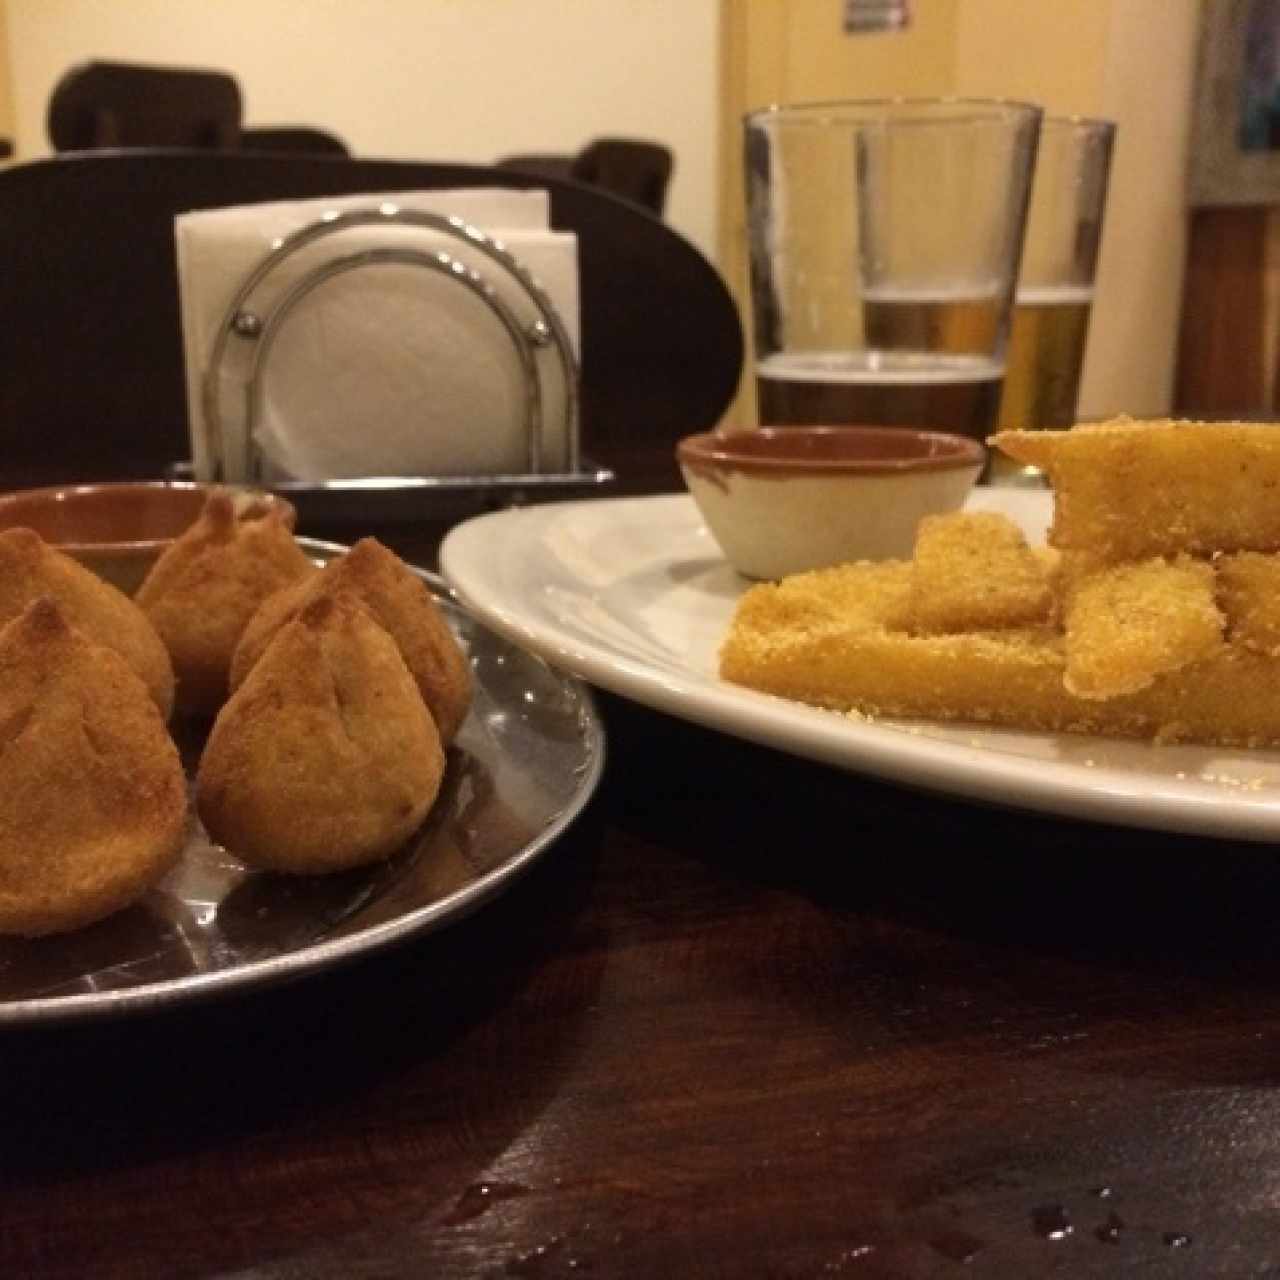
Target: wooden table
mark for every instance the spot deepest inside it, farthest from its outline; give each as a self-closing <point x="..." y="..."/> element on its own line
<point x="750" y="1017"/>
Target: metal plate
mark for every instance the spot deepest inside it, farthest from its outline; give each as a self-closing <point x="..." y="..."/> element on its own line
<point x="431" y="499"/>
<point x="388" y="500"/>
<point x="521" y="769"/>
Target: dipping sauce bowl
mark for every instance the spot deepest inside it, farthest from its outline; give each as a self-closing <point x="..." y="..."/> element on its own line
<point x="783" y="500"/>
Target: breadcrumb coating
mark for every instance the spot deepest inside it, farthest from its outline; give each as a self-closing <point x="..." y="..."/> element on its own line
<point x="1131" y="623"/>
<point x="974" y="571"/>
<point x="1129" y="490"/>
<point x="30" y="569"/>
<point x="794" y="640"/>
<point x="1159" y="619"/>
<point x="204" y="588"/>
<point x="1249" y="597"/>
<point x="93" y="801"/>
<point x="326" y="756"/>
<point x="400" y="602"/>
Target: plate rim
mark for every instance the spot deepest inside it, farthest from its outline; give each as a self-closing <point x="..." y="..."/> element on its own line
<point x="317" y="957"/>
<point x="885" y="750"/>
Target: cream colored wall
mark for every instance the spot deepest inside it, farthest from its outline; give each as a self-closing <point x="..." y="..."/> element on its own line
<point x="1128" y="60"/>
<point x="1132" y="61"/>
<point x="464" y="80"/>
<point x="1148" y="84"/>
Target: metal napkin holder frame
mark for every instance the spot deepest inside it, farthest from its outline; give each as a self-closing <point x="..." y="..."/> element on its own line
<point x="546" y="333"/>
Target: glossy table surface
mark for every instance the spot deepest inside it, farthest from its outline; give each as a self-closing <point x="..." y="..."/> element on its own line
<point x="750" y="1017"/>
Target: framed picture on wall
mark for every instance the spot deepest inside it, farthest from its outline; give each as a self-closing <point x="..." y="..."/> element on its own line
<point x="1235" y="138"/>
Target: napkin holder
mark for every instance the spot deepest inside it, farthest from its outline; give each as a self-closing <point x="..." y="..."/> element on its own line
<point x="245" y="338"/>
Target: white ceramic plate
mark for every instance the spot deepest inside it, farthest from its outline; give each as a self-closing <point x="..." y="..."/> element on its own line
<point x="633" y="595"/>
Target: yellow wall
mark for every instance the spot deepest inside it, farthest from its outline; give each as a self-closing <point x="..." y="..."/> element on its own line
<point x="6" y="80"/>
<point x="1150" y="73"/>
<point x="1132" y="61"/>
<point x="790" y="51"/>
<point x="1054" y="54"/>
<point x="1128" y="60"/>
<point x="825" y="63"/>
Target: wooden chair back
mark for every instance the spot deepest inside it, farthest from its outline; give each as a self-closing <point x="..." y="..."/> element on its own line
<point x="633" y="168"/>
<point x="123" y="104"/>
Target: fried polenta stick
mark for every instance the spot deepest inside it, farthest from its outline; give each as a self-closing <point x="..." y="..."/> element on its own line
<point x="1128" y="490"/>
<point x="835" y="638"/>
<point x="973" y="571"/>
<point x="1128" y="625"/>
<point x="798" y="639"/>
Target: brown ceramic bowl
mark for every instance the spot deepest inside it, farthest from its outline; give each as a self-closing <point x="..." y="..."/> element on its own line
<point x="782" y="500"/>
<point x="119" y="528"/>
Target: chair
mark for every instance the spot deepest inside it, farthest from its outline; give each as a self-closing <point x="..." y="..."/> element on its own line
<point x="629" y="167"/>
<point x="632" y="168"/>
<point x="89" y="321"/>
<point x="121" y="104"/>
<point x="124" y="104"/>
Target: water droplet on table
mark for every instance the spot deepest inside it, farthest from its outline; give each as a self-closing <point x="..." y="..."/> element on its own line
<point x="959" y="1246"/>
<point x="1109" y="1231"/>
<point x="531" y="1263"/>
<point x="1051" y="1222"/>
<point x="479" y="1197"/>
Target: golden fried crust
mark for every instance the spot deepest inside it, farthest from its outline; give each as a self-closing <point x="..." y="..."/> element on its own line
<point x="204" y="588"/>
<point x="402" y="603"/>
<point x="835" y="639"/>
<point x="1129" y="490"/>
<point x="799" y="639"/>
<point x="1129" y="624"/>
<point x="30" y="569"/>
<point x="1249" y="596"/>
<point x="326" y="756"/>
<point x="973" y="571"/>
<point x="93" y="801"/>
<point x="1164" y="611"/>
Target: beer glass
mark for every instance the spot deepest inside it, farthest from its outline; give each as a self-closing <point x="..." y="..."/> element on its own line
<point x="884" y="243"/>
<point x="1055" y="282"/>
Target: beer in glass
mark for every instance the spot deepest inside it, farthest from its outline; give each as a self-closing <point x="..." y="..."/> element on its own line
<point x="884" y="240"/>
<point x="1055" y="283"/>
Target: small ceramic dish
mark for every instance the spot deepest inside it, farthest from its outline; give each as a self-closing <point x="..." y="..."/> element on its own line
<point x="781" y="500"/>
<point x="119" y="528"/>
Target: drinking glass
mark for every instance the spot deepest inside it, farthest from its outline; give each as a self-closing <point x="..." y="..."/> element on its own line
<point x="884" y="246"/>
<point x="1055" y="282"/>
